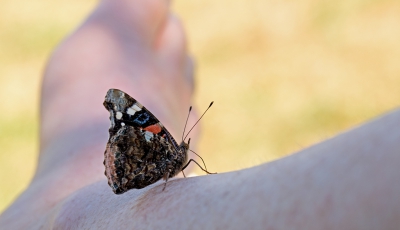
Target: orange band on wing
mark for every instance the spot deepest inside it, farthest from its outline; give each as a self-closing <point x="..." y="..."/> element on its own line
<point x="153" y="128"/>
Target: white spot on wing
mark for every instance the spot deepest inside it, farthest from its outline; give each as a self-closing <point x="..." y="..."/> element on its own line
<point x="130" y="111"/>
<point x="136" y="107"/>
<point x="122" y="124"/>
<point x="148" y="135"/>
<point x="118" y="115"/>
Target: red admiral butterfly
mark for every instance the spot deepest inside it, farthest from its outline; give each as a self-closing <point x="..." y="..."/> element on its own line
<point x="140" y="150"/>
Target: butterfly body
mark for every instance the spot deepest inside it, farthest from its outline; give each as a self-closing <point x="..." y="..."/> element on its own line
<point x="140" y="150"/>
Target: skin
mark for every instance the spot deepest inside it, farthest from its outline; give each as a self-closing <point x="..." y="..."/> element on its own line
<point x="348" y="182"/>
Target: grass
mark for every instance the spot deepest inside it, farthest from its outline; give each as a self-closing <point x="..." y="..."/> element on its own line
<point x="283" y="75"/>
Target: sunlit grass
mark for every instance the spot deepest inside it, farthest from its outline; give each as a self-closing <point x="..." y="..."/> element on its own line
<point x="28" y="32"/>
<point x="283" y="74"/>
<point x="18" y="141"/>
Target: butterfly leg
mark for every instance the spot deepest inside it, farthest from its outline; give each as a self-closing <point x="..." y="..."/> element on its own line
<point x="197" y="165"/>
<point x="166" y="176"/>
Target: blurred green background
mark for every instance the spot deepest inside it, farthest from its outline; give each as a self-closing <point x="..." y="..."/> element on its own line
<point x="283" y="74"/>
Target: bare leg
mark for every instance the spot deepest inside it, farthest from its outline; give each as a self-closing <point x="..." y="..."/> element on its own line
<point x="137" y="46"/>
<point x="348" y="182"/>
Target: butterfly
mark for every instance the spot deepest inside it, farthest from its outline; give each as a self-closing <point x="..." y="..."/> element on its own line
<point x="140" y="151"/>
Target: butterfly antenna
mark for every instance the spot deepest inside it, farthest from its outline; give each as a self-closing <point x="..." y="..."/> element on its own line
<point x="198" y="120"/>
<point x="183" y="134"/>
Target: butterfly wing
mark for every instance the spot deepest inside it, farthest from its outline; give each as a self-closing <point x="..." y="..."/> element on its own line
<point x="140" y="148"/>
